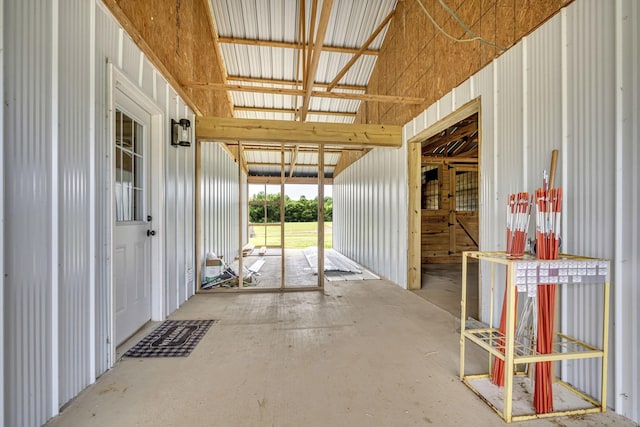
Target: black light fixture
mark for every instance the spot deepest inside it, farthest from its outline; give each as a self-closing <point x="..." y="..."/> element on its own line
<point x="180" y="133"/>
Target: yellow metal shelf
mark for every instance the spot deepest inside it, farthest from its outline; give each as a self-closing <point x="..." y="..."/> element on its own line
<point x="522" y="274"/>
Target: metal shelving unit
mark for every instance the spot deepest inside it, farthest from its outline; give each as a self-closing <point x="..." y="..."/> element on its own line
<point x="569" y="270"/>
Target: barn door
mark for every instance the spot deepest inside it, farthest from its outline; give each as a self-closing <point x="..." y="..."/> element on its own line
<point x="463" y="208"/>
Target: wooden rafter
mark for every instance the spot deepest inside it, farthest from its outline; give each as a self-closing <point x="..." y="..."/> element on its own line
<point x="318" y="42"/>
<point x="358" y="54"/>
<point x="291" y="45"/>
<point x="262" y="147"/>
<point x="301" y="133"/>
<point x="290" y="83"/>
<point x="392" y="99"/>
<point x="292" y="111"/>
<point x="302" y="43"/>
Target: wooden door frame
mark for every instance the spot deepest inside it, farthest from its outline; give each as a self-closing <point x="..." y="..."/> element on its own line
<point x="414" y="164"/>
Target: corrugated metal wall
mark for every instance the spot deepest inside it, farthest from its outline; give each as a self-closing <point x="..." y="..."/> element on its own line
<point x="627" y="230"/>
<point x="558" y="88"/>
<point x="2" y="214"/>
<point x="370" y="213"/>
<point x="56" y="294"/>
<point x="76" y="245"/>
<point x="30" y="156"/>
<point x="219" y="202"/>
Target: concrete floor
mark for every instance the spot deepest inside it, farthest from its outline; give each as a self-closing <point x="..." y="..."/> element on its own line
<point x="363" y="353"/>
<point x="297" y="272"/>
<point x="442" y="286"/>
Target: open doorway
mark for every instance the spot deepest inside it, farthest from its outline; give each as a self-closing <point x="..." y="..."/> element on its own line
<point x="449" y="202"/>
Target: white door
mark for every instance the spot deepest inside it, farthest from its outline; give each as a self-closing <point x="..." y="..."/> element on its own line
<point x="132" y="228"/>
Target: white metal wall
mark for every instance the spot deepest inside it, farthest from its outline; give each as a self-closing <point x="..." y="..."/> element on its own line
<point x="30" y="199"/>
<point x="219" y="202"/>
<point x="56" y="294"/>
<point x="2" y="214"/>
<point x="572" y="85"/>
<point x="627" y="231"/>
<point x="370" y="213"/>
<point x="76" y="238"/>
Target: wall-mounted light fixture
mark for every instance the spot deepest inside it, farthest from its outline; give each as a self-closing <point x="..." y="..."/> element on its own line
<point x="180" y="133"/>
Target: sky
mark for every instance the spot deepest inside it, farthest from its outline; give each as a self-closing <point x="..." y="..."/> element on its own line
<point x="294" y="191"/>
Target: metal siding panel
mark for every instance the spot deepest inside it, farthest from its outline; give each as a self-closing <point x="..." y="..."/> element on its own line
<point x="590" y="183"/>
<point x="147" y="77"/>
<point x="106" y="48"/>
<point x="543" y="120"/>
<point x="627" y="265"/>
<point x="130" y="59"/>
<point x="372" y="191"/>
<point x="28" y="206"/>
<point x="445" y="105"/>
<point x="75" y="161"/>
<point x="171" y="214"/>
<point x="490" y="231"/>
<point x="221" y="202"/>
<point x="463" y="94"/>
<point x="2" y="241"/>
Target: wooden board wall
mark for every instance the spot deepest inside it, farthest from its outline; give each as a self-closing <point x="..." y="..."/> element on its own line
<point x="178" y="34"/>
<point x="443" y="238"/>
<point x="417" y="60"/>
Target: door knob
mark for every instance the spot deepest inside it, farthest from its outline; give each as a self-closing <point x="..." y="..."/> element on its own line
<point x="151" y="232"/>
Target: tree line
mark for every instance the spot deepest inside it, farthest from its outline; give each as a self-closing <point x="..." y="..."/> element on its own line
<point x="302" y="210"/>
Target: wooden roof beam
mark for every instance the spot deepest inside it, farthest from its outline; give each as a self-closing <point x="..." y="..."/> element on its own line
<point x="291" y="83"/>
<point x="294" y="180"/>
<point x="392" y="99"/>
<point x="358" y="54"/>
<point x="318" y="42"/>
<point x="300" y="133"/>
<point x="292" y="45"/>
<point x="292" y="111"/>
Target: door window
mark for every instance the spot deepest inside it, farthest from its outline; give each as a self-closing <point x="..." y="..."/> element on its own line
<point x="129" y="173"/>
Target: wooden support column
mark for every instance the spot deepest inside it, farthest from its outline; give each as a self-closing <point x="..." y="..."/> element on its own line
<point x="414" y="269"/>
<point x="240" y="261"/>
<point x="452" y="209"/>
<point x="321" y="216"/>
<point x="282" y="236"/>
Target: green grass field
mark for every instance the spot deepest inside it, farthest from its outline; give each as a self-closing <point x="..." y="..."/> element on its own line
<point x="297" y="235"/>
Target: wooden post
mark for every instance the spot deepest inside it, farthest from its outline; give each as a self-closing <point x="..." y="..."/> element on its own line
<point x="282" y="237"/>
<point x="415" y="216"/>
<point x="552" y="169"/>
<point x="240" y="263"/>
<point x="321" y="216"/>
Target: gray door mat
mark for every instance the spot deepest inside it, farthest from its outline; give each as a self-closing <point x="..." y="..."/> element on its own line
<point x="173" y="338"/>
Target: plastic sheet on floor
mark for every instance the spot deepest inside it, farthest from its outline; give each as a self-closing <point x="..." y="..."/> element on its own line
<point x="337" y="266"/>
